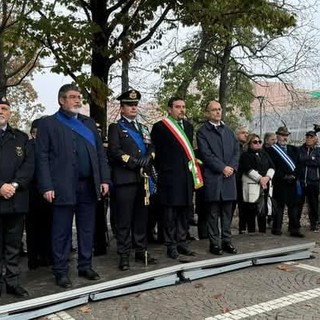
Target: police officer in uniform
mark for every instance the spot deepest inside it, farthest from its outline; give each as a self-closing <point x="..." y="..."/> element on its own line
<point x="16" y="171"/>
<point x="130" y="154"/>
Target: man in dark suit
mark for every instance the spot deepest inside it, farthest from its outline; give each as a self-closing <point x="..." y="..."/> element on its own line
<point x="73" y="173"/>
<point x="172" y="137"/>
<point x="219" y="151"/>
<point x="285" y="158"/>
<point x="17" y="166"/>
<point x="130" y="152"/>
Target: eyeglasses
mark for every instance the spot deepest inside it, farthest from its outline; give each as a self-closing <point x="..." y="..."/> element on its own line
<point x="73" y="97"/>
<point x="256" y="141"/>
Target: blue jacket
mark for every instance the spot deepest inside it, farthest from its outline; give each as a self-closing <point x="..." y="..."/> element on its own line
<point x="309" y="164"/>
<point x="57" y="162"/>
<point x="218" y="149"/>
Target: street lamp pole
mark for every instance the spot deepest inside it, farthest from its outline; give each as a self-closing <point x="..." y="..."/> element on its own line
<point x="260" y="99"/>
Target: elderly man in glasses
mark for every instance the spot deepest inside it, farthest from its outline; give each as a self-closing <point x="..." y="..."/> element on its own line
<point x="285" y="158"/>
<point x="309" y="173"/>
<point x="73" y="173"/>
<point x="219" y="151"/>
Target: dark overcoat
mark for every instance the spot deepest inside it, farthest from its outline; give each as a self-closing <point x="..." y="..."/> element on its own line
<point x="56" y="159"/>
<point x="175" y="182"/>
<point x="218" y="148"/>
<point x="121" y="150"/>
<point x="16" y="165"/>
<point x="284" y="190"/>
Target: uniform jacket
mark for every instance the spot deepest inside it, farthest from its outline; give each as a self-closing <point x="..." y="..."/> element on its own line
<point x="16" y="165"/>
<point x="56" y="159"/>
<point x="284" y="187"/>
<point x="218" y="148"/>
<point x="175" y="182"/>
<point x="121" y="151"/>
<point x="309" y="164"/>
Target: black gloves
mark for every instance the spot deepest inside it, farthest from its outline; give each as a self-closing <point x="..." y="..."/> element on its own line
<point x="144" y="161"/>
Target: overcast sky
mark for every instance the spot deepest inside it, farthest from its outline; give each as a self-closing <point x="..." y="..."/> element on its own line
<point x="48" y="84"/>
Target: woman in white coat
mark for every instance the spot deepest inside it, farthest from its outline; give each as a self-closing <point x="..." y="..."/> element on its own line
<point x="257" y="170"/>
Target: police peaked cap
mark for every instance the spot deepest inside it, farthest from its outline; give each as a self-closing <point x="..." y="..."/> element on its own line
<point x="130" y="96"/>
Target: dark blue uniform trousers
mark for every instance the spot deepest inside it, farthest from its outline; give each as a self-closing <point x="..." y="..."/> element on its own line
<point x="85" y="212"/>
<point x="11" y="229"/>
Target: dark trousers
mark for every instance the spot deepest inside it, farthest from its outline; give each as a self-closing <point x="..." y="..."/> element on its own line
<point x="155" y="219"/>
<point x="11" y="229"/>
<point x="131" y="218"/>
<point x="220" y="217"/>
<point x="38" y="224"/>
<point x="251" y="215"/>
<point x="310" y="193"/>
<point x="100" y="240"/>
<point x="85" y="212"/>
<point x="294" y="224"/>
<point x="175" y="226"/>
<point x="201" y="209"/>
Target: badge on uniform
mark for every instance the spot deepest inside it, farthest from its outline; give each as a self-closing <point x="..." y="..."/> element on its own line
<point x="19" y="151"/>
<point x="125" y="158"/>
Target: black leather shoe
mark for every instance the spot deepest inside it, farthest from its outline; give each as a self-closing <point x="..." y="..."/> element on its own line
<point x="216" y="250"/>
<point x="140" y="257"/>
<point x="18" y="291"/>
<point x="124" y="263"/>
<point x="88" y="274"/>
<point x="186" y="251"/>
<point x="297" y="234"/>
<point x="172" y="253"/>
<point x="229" y="248"/>
<point x="63" y="281"/>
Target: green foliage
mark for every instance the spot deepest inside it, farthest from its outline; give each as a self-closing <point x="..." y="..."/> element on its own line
<point x="205" y="87"/>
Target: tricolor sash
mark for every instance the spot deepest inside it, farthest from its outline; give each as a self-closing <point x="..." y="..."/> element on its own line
<point x="285" y="157"/>
<point x="193" y="163"/>
<point x="76" y="125"/>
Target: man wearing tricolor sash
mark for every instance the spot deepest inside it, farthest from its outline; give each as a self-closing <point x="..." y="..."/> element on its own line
<point x="285" y="158"/>
<point x="178" y="174"/>
<point x="219" y="151"/>
<point x="130" y="153"/>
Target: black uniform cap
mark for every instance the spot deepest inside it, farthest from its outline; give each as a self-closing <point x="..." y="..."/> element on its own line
<point x="311" y="133"/>
<point x="3" y="99"/>
<point x="131" y="96"/>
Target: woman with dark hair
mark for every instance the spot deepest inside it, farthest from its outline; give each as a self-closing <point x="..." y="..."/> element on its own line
<point x="257" y="170"/>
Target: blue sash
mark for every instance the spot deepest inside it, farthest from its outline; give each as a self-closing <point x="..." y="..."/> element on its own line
<point x="77" y="126"/>
<point x="136" y="136"/>
<point x="285" y="157"/>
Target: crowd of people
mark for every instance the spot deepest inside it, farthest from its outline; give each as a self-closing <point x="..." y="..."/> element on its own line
<point x="155" y="180"/>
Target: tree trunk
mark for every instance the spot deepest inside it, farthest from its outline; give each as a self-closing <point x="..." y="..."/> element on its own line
<point x="100" y="65"/>
<point x="224" y="86"/>
<point x="3" y="80"/>
<point x="196" y="67"/>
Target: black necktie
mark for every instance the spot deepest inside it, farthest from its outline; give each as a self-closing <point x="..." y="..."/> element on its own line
<point x="2" y="132"/>
<point x="181" y="124"/>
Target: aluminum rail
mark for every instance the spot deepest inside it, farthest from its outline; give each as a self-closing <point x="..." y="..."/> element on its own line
<point x="36" y="307"/>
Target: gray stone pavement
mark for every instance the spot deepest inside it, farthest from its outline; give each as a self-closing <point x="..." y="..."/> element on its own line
<point x="198" y="299"/>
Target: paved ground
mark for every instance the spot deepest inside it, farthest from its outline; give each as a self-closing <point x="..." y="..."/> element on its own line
<point x="200" y="299"/>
